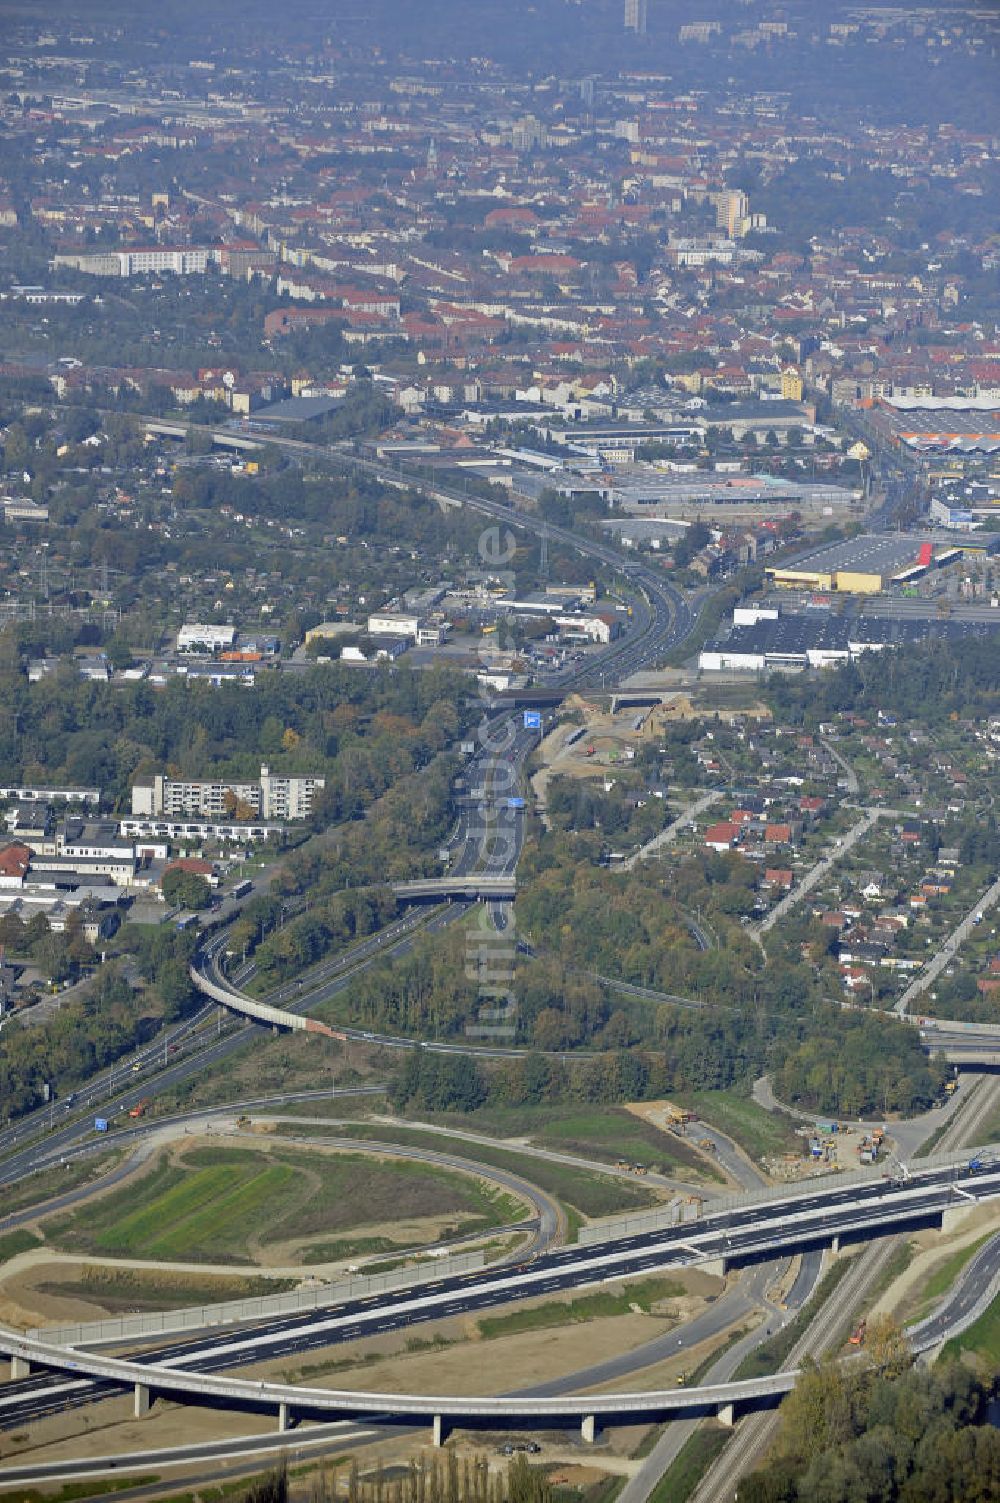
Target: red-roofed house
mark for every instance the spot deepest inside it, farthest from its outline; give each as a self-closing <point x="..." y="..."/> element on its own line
<point x="722" y="836"/>
<point x="14" y="862"/>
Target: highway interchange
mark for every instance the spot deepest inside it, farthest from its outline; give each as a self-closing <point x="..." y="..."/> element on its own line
<point x="488" y="839"/>
<point x="760" y="1229"/>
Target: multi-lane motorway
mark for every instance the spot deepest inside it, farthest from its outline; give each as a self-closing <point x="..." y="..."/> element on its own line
<point x="754" y="1231"/>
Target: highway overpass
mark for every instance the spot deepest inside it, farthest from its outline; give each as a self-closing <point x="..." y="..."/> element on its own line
<point x="755" y="1228"/>
<point x="589" y="1412"/>
<point x="221" y="436"/>
<point x="976" y="1046"/>
<point x="256" y="1011"/>
<point x="475" y="886"/>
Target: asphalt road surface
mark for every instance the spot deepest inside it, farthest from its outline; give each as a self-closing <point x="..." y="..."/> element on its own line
<point x="748" y="1230"/>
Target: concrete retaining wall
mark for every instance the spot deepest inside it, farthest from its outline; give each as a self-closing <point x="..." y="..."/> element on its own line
<point x="643" y="1222"/>
<point x="234" y="1311"/>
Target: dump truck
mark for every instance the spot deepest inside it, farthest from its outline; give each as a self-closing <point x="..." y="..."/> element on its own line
<point x="676" y="1114"/>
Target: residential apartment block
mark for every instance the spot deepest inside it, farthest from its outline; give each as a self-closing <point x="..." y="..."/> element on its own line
<point x="273" y="797"/>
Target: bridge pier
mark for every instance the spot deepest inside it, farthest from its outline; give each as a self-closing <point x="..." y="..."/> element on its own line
<point x="835" y="1245"/>
<point x="588" y="1429"/>
<point x="20" y="1367"/>
<point x="286" y="1419"/>
<point x="716" y="1266"/>
<point x="441" y="1431"/>
<point x="726" y="1415"/>
<point x="954" y="1216"/>
<point x="141" y="1400"/>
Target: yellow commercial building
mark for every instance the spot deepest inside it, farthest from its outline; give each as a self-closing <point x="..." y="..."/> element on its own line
<point x="853" y="582"/>
<point x="846" y="581"/>
<point x="801" y="579"/>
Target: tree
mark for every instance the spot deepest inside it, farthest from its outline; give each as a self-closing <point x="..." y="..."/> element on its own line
<point x="186" y="889"/>
<point x="886" y="1347"/>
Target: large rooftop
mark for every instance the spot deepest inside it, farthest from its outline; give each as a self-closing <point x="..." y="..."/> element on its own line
<point x="886" y="554"/>
<point x="794" y="636"/>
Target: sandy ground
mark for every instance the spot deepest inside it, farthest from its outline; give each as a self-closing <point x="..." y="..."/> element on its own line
<point x="904" y="1297"/>
<point x="655" y="1113"/>
<point x="534" y="1356"/>
<point x="614" y="738"/>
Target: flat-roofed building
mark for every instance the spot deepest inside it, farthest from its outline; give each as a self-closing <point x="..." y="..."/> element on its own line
<point x="275" y="797"/>
<point x="200" y="636"/>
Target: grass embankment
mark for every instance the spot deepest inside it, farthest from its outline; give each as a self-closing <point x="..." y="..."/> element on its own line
<point x="929" y="1145"/>
<point x="760" y="1133"/>
<point x="591" y="1194"/>
<point x="602" y="1134"/>
<point x="945" y="1275"/>
<point x="46" y="1183"/>
<point x="698" y="1374"/>
<point x="771" y="1355"/>
<point x="636" y="1297"/>
<point x="222" y="1203"/>
<point x="689" y="1466"/>
<point x="989" y="1131"/>
<point x="270" y="1065"/>
<point x="75" y="1492"/>
<point x="709" y="619"/>
<point x="981" y="1340"/>
<point x="132" y="1290"/>
<point x="20" y="1241"/>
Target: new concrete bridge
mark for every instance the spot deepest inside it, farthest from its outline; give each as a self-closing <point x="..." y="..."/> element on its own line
<point x="756" y="1228"/>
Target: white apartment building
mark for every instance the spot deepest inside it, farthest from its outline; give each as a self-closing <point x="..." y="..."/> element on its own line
<point x="182" y="260"/>
<point x="32" y="793"/>
<point x="153" y="833"/>
<point x="287" y="797"/>
<point x="274" y="797"/>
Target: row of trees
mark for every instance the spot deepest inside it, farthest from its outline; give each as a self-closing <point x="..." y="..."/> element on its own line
<point x="58" y="956"/>
<point x="945" y="679"/>
<point x="857" y="1063"/>
<point x="328" y="925"/>
<point x="439" y="1478"/>
<point x="430" y="1082"/>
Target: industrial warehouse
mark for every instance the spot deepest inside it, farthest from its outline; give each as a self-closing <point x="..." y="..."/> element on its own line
<point x="874" y="562"/>
<point x="822" y="640"/>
